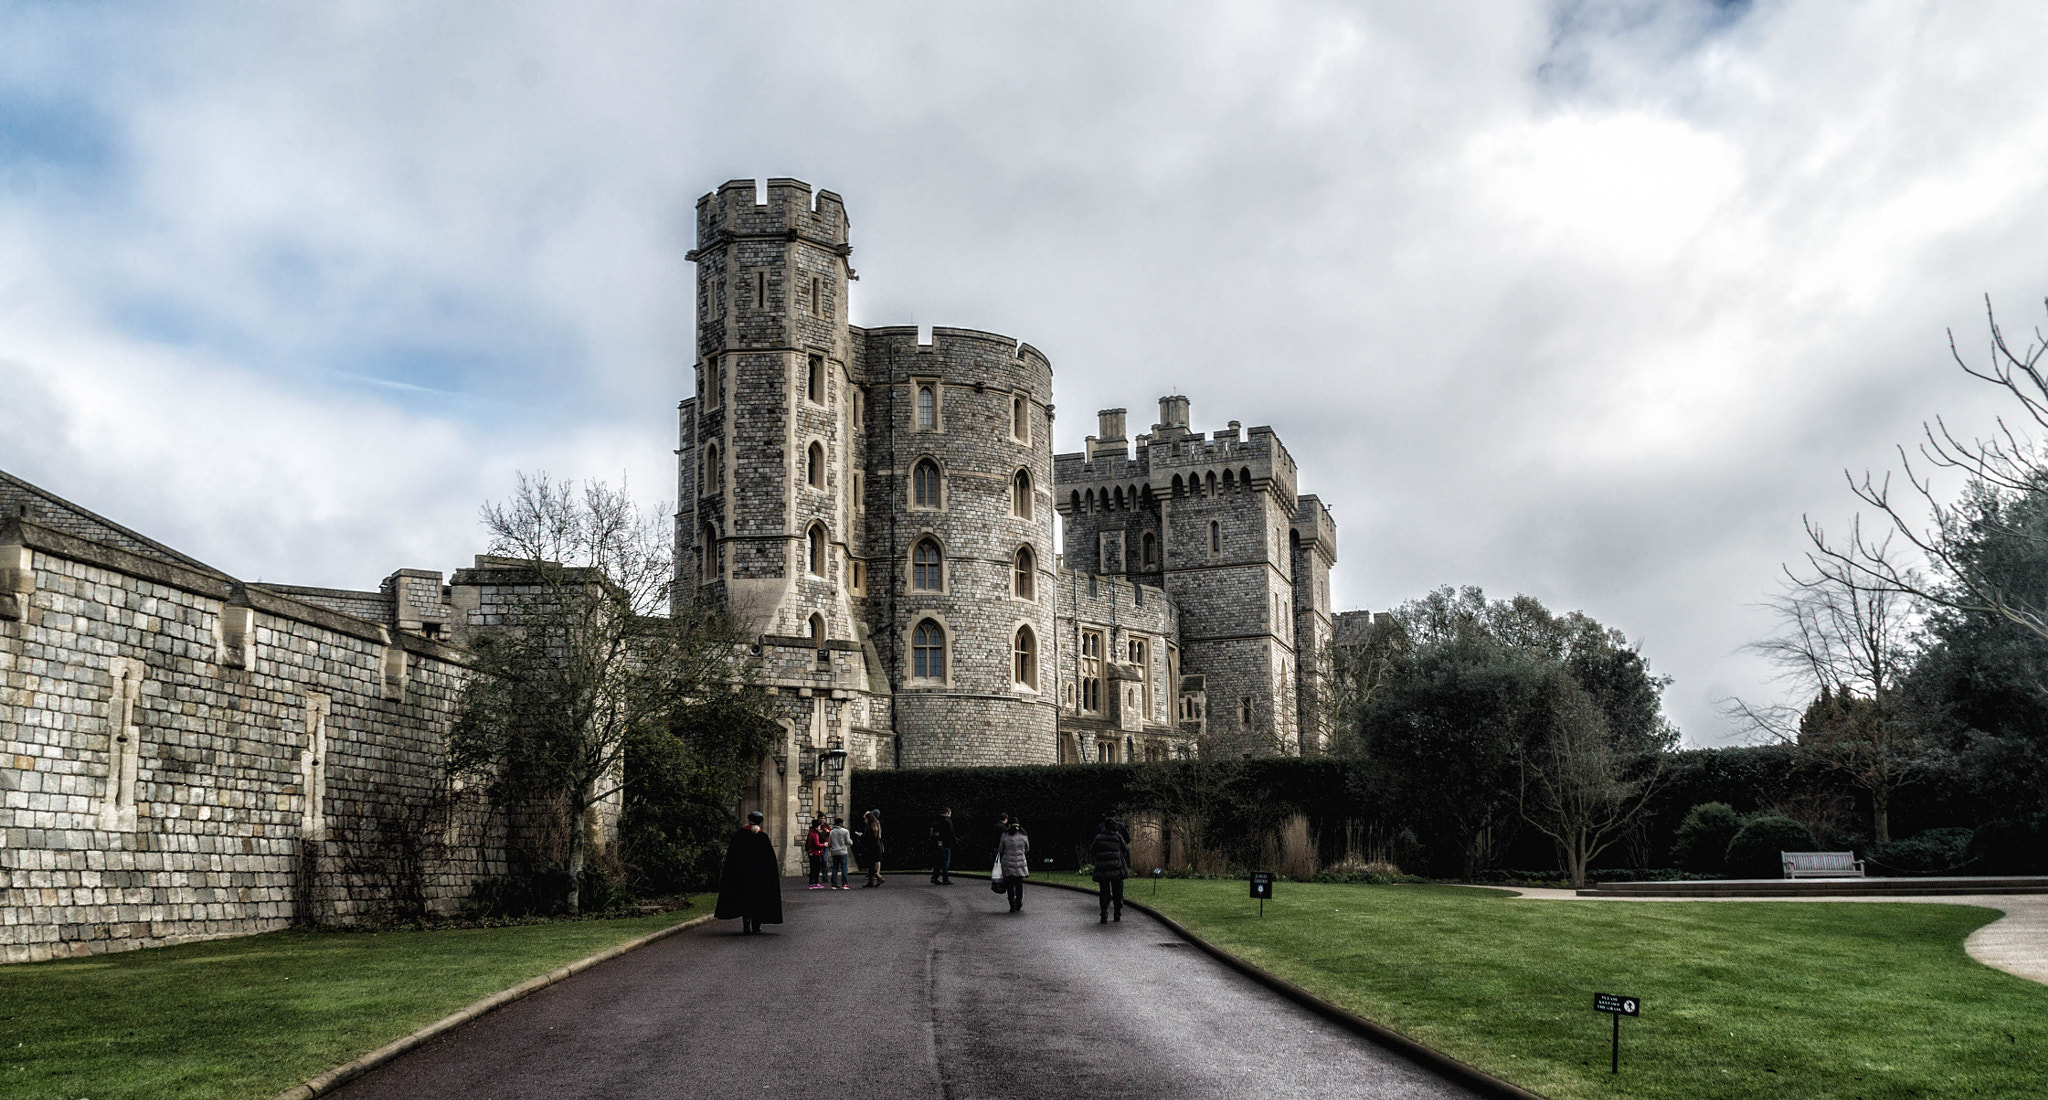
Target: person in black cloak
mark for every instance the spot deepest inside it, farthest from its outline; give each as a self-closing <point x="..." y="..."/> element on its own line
<point x="751" y="887"/>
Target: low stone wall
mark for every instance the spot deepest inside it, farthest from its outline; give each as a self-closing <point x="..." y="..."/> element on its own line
<point x="184" y="757"/>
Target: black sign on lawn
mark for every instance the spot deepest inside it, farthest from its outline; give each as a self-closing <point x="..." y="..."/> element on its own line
<point x="1262" y="889"/>
<point x="1617" y="1005"/>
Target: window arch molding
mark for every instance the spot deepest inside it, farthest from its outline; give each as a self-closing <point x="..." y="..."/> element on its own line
<point x="928" y="638"/>
<point x="714" y="471"/>
<point x="927" y="405"/>
<point x="927" y="484"/>
<point x="1024" y="573"/>
<point x="707" y="562"/>
<point x="816" y="469"/>
<point x="1025" y="662"/>
<point x="818" y="551"/>
<point x="1021" y="494"/>
<point x="927" y="563"/>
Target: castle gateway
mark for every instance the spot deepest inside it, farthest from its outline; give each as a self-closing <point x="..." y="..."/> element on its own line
<point x="880" y="513"/>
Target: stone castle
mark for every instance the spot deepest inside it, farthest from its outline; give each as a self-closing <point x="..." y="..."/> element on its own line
<point x="879" y="511"/>
<point x="184" y="754"/>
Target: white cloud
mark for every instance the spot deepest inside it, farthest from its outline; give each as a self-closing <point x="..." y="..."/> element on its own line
<point x="1592" y="303"/>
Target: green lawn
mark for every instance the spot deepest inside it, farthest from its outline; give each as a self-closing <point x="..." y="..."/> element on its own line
<point x="1749" y="999"/>
<point x="246" y="1018"/>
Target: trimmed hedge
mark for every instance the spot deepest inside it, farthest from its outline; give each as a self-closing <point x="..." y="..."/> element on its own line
<point x="1059" y="804"/>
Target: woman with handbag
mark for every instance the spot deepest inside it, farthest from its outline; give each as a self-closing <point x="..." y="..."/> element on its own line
<point x="1013" y="859"/>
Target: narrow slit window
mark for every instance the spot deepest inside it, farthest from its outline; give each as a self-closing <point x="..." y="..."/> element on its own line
<point x="1027" y="574"/>
<point x="817" y="550"/>
<point x="816" y="473"/>
<point x="1215" y="537"/>
<point x="1026" y="650"/>
<point x="815" y="381"/>
<point x="927" y="407"/>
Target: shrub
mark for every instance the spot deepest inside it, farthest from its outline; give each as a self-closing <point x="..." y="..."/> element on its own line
<point x="2010" y="848"/>
<point x="1931" y="853"/>
<point x="1701" y="845"/>
<point x="1753" y="853"/>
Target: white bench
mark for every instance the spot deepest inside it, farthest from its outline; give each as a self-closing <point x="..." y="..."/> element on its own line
<point x="1821" y="864"/>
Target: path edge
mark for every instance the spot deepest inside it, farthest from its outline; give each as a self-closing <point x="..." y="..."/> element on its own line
<point x="1478" y="1080"/>
<point x="349" y="1071"/>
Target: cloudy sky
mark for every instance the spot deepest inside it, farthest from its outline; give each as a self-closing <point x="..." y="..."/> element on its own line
<point x="1591" y="301"/>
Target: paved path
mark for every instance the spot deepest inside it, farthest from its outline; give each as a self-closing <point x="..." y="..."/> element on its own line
<point x="2016" y="943"/>
<point x="910" y="991"/>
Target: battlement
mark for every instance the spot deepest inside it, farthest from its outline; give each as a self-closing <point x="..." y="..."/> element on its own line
<point x="1312" y="524"/>
<point x="791" y="212"/>
<point x="901" y="342"/>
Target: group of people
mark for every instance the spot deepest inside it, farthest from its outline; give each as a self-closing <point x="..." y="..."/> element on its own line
<point x="750" y="888"/>
<point x="828" y="847"/>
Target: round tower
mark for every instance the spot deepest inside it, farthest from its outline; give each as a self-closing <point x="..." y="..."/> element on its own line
<point x="960" y="544"/>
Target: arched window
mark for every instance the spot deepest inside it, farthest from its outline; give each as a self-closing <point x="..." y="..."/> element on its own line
<point x="1026" y="649"/>
<point x="1150" y="555"/>
<point x="817" y="466"/>
<point x="1074" y="503"/>
<point x="924" y="484"/>
<point x="860" y="410"/>
<point x="714" y="472"/>
<point x="1179" y="487"/>
<point x="1020" y="419"/>
<point x="1020" y="495"/>
<point x="815" y="383"/>
<point x="1212" y="483"/>
<point x="708" y="544"/>
<point x="1229" y="480"/>
<point x="928" y="651"/>
<point x="926" y="566"/>
<point x="927" y="407"/>
<point x="817" y="628"/>
<point x="1027" y="574"/>
<point x="817" y="549"/>
<point x="1293" y="542"/>
<point x="1244" y="476"/>
<point x="1215" y="537"/>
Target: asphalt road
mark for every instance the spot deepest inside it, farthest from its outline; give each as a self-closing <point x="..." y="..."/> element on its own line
<point x="907" y="990"/>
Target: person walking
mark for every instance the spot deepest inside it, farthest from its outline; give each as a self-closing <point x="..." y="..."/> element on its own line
<point x="815" y="843"/>
<point x="943" y="837"/>
<point x="1111" y="850"/>
<point x="869" y="847"/>
<point x="751" y="886"/>
<point x="838" y="844"/>
<point x="1014" y="852"/>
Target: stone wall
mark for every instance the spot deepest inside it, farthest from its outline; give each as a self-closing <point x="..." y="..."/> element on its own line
<point x="183" y="756"/>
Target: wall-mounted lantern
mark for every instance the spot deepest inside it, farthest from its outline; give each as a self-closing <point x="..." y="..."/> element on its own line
<point x="832" y="761"/>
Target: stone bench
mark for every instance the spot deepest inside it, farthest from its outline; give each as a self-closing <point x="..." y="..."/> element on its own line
<point x="1821" y="864"/>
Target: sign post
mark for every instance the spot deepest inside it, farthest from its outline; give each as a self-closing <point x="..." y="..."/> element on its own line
<point x="1262" y="888"/>
<point x="1617" y="1006"/>
<point x="1156" y="872"/>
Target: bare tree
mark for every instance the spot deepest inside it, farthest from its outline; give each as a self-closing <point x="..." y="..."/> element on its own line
<point x="2005" y="465"/>
<point x="1580" y="785"/>
<point x="581" y="660"/>
<point x="1844" y="647"/>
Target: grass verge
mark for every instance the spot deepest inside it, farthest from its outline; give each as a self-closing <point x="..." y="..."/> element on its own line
<point x="1740" y="999"/>
<point x="245" y="1018"/>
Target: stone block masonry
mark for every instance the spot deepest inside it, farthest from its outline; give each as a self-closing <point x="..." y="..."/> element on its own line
<point x="184" y="756"/>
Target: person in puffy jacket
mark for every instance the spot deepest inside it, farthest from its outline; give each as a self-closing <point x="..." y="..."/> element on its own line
<point x="815" y="842"/>
<point x="1112" y="854"/>
<point x="1014" y="853"/>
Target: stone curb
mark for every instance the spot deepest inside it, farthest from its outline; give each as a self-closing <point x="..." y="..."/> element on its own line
<point x="1477" y="1080"/>
<point x="342" y="1074"/>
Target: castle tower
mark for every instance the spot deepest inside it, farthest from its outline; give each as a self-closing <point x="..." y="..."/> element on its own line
<point x="959" y="553"/>
<point x="766" y="472"/>
<point x="1312" y="539"/>
<point x="1207" y="518"/>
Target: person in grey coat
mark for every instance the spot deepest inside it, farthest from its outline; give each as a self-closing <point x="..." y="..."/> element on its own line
<point x="1014" y="853"/>
<point x="1112" y="853"/>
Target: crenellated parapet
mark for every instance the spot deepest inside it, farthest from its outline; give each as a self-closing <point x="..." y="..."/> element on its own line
<point x="790" y="213"/>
